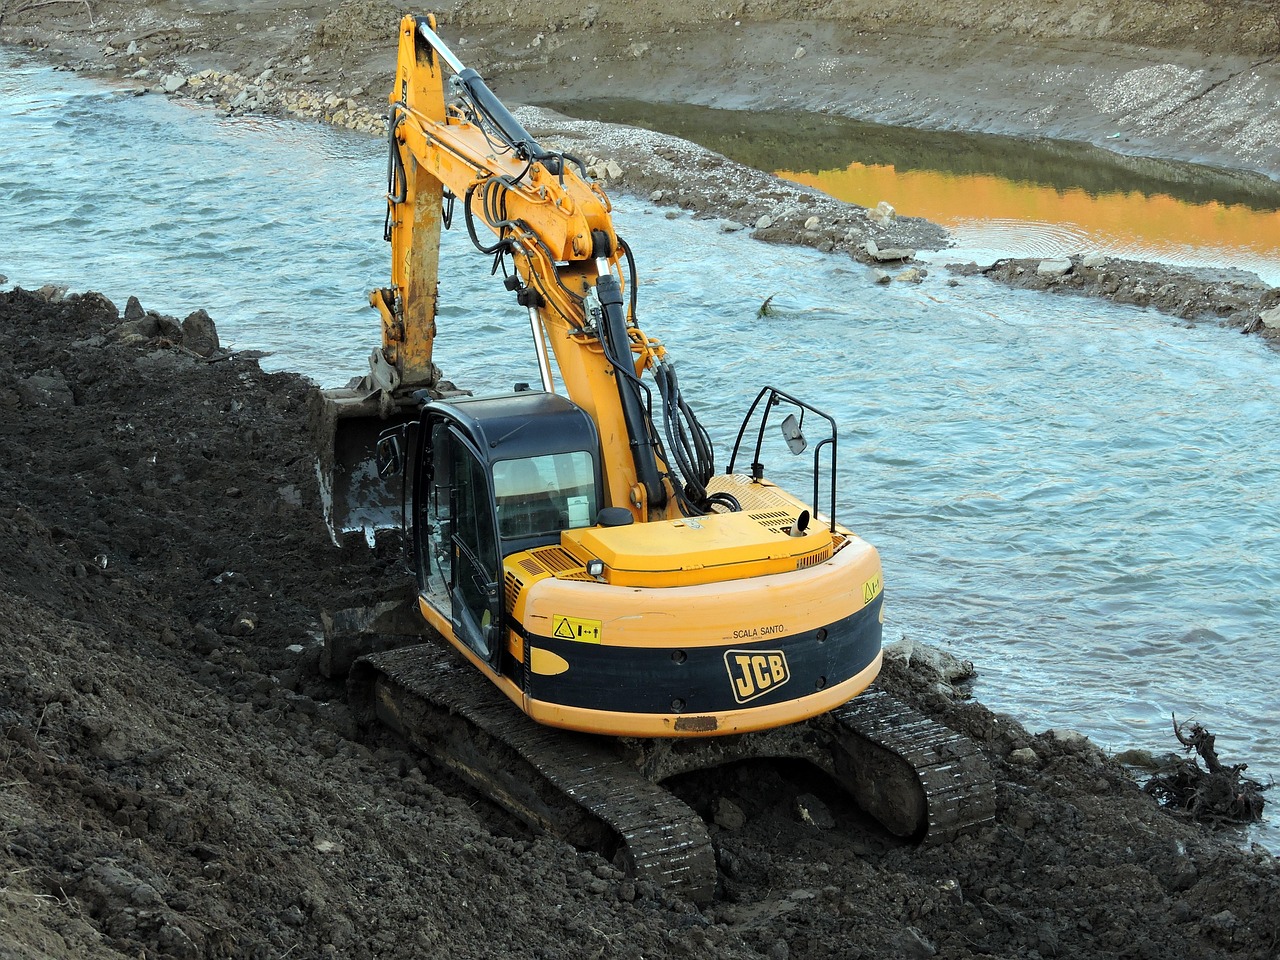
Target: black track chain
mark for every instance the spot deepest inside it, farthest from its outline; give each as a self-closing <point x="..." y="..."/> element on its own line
<point x="665" y="841"/>
<point x="958" y="790"/>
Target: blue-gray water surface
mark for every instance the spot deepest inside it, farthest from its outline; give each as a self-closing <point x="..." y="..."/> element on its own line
<point x="1080" y="497"/>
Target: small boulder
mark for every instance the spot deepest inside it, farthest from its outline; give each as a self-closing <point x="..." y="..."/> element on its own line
<point x="888" y="254"/>
<point x="48" y="388"/>
<point x="728" y="815"/>
<point x="199" y="335"/>
<point x="1053" y="269"/>
<point x="144" y="328"/>
<point x="882" y="213"/>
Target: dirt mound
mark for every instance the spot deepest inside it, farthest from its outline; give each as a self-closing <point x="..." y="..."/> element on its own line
<point x="359" y="24"/>
<point x="180" y="782"/>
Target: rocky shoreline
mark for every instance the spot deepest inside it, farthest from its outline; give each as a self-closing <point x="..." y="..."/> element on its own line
<point x="329" y="65"/>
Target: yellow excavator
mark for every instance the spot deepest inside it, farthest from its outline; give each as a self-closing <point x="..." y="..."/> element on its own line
<point x="615" y="611"/>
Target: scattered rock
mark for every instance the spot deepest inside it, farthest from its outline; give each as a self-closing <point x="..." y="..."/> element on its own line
<point x="49" y="388"/>
<point x="199" y="334"/>
<point x="882" y="213"/>
<point x="1071" y="739"/>
<point x="888" y="254"/>
<point x="1052" y="269"/>
<point x="729" y="815"/>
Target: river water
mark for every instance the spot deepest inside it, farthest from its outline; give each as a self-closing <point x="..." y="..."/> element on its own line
<point x="999" y="196"/>
<point x="1082" y="498"/>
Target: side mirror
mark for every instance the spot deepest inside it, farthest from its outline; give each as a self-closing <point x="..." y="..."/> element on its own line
<point x="390" y="454"/>
<point x="796" y="442"/>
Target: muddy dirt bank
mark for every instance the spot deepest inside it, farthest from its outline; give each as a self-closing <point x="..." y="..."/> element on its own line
<point x="177" y="780"/>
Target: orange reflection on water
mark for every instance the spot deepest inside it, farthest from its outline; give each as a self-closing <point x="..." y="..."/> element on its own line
<point x="1156" y="222"/>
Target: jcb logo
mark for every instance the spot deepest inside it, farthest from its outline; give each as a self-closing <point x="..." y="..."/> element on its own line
<point x="755" y="672"/>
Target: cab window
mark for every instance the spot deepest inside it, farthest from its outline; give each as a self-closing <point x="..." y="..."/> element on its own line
<point x="544" y="494"/>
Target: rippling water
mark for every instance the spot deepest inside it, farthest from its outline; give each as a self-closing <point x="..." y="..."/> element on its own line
<point x="1081" y="498"/>
<point x="999" y="196"/>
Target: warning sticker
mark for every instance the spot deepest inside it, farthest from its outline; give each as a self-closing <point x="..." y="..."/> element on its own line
<point x="575" y="628"/>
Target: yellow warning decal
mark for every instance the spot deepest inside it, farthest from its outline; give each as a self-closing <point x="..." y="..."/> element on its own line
<point x="576" y="628"/>
<point x="870" y="588"/>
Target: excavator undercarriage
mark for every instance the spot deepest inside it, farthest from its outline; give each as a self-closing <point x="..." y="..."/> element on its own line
<point x="919" y="779"/>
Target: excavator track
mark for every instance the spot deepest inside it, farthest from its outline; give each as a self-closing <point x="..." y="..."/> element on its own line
<point x="921" y="780"/>
<point x="917" y="777"/>
<point x="568" y="784"/>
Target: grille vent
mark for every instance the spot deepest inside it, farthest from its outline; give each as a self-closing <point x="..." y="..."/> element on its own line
<point x="514" y="586"/>
<point x="813" y="559"/>
<point x="556" y="559"/>
<point x="776" y="521"/>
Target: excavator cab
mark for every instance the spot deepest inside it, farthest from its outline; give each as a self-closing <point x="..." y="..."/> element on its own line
<point x="495" y="476"/>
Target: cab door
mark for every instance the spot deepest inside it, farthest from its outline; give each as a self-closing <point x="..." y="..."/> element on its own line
<point x="459" y="567"/>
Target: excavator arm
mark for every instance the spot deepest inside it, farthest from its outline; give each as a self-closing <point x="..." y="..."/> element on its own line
<point x="555" y="228"/>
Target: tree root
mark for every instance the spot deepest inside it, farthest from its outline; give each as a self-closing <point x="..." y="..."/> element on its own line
<point x="1217" y="794"/>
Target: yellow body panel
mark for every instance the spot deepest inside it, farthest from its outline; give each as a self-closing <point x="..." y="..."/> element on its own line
<point x="707" y="614"/>
<point x="693" y="550"/>
<point x="722" y="617"/>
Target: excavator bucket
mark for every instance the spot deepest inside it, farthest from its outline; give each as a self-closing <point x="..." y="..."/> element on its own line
<point x="357" y="494"/>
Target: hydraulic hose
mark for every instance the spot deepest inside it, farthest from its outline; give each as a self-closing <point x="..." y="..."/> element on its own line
<point x="617" y="345"/>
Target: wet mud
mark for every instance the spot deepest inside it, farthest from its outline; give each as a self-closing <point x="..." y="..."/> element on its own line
<point x="177" y="778"/>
